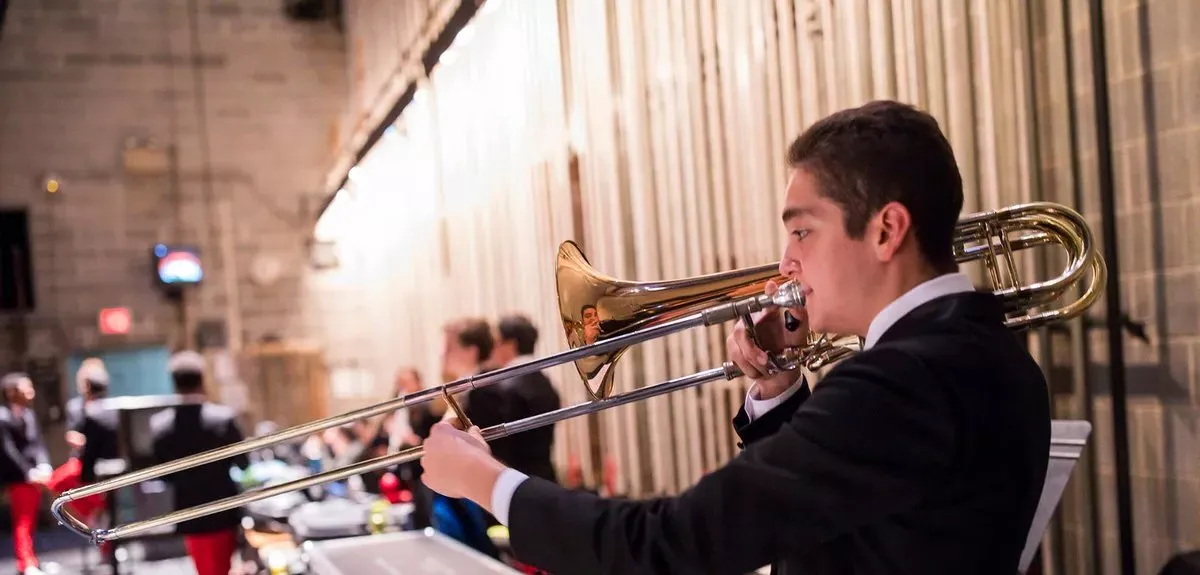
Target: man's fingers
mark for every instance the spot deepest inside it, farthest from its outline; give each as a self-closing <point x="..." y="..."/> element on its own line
<point x="739" y="358"/>
<point x="476" y="433"/>
<point x="771" y="288"/>
<point x="749" y="349"/>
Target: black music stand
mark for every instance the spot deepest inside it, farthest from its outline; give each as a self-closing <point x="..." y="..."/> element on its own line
<point x="1067" y="440"/>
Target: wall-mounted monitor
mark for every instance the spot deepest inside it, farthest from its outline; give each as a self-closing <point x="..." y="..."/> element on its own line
<point x="176" y="265"/>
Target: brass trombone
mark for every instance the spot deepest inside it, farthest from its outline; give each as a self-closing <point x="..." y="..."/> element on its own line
<point x="625" y="313"/>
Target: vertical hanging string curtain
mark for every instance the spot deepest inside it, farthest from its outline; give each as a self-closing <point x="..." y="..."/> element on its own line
<point x="678" y="113"/>
<point x="459" y="208"/>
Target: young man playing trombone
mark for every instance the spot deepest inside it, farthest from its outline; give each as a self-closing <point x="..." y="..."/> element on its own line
<point x="924" y="453"/>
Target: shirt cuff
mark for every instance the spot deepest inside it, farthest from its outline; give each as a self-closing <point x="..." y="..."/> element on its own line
<point x="503" y="491"/>
<point x="757" y="407"/>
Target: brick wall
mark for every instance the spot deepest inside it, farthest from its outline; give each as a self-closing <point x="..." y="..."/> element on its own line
<point x="1153" y="53"/>
<point x="102" y="93"/>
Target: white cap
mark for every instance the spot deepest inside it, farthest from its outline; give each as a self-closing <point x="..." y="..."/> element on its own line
<point x="92" y="370"/>
<point x="186" y="362"/>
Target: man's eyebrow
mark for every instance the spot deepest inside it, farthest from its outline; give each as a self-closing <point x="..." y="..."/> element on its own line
<point x="795" y="212"/>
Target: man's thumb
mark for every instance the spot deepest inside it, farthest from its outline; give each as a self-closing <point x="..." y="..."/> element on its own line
<point x="771" y="288"/>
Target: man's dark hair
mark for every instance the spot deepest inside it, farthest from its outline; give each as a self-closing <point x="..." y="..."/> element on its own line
<point x="188" y="381"/>
<point x="518" y="328"/>
<point x="476" y="333"/>
<point x="881" y="152"/>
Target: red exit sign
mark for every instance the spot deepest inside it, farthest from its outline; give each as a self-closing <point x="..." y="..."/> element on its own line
<point x="115" y="321"/>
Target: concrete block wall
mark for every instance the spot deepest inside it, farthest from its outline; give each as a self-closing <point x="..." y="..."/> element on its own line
<point x="248" y="100"/>
<point x="1153" y="56"/>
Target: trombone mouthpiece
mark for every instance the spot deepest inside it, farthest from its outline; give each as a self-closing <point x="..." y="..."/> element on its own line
<point x="790" y="294"/>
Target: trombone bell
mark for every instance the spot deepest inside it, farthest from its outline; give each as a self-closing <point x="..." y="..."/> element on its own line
<point x="595" y="307"/>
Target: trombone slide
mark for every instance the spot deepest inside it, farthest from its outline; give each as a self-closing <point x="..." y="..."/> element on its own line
<point x="727" y="371"/>
<point x="789" y="297"/>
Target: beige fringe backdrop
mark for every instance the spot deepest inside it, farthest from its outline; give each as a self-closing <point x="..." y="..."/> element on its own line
<point x="654" y="134"/>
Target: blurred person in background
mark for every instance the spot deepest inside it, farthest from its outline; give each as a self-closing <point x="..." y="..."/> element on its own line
<point x="86" y="422"/>
<point x="404" y="433"/>
<point x="421" y="417"/>
<point x="24" y="465"/>
<point x="521" y="397"/>
<point x="467" y="347"/>
<point x="196" y="426"/>
<point x="91" y="375"/>
<point x="344" y="449"/>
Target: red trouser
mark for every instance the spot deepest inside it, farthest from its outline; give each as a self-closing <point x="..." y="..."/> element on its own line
<point x="212" y="552"/>
<point x="67" y="476"/>
<point x="24" y="500"/>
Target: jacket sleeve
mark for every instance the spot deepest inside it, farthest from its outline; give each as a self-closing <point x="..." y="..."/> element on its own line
<point x="76" y="414"/>
<point x="90" y="452"/>
<point x="486" y="406"/>
<point x="768" y="423"/>
<point x="233" y="434"/>
<point x="162" y="447"/>
<point x="37" y="445"/>
<point x="866" y="445"/>
<point x="13" y="454"/>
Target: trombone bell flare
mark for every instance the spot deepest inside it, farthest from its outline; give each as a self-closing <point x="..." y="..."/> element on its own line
<point x="595" y="307"/>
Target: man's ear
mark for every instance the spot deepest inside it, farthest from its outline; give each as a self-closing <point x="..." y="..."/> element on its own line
<point x="894" y="222"/>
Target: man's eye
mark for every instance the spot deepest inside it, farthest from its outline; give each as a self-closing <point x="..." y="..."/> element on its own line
<point x="800" y="234"/>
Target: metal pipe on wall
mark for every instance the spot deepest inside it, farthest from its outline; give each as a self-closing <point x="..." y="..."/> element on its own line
<point x="1116" y="351"/>
<point x="1081" y="354"/>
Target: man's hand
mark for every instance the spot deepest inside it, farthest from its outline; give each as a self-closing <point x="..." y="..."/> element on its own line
<point x="459" y="464"/>
<point x="770" y="330"/>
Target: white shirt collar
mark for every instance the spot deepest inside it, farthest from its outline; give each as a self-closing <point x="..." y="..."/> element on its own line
<point x="942" y="285"/>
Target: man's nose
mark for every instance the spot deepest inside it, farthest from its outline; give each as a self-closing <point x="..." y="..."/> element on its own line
<point x="789" y="267"/>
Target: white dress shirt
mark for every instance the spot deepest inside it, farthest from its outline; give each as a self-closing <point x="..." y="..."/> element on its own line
<point x="510" y="479"/>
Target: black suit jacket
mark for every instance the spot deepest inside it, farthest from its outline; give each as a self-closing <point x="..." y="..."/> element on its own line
<point x="22" y="445"/>
<point x="925" y="454"/>
<point x="99" y="429"/>
<point x="74" y="414"/>
<point x="521" y="397"/>
<point x="190" y="429"/>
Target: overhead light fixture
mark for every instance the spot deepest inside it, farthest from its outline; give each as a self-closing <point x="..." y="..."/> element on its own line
<point x="51" y="184"/>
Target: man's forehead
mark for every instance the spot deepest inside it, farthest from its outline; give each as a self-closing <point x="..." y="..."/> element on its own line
<point x="795" y="211"/>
